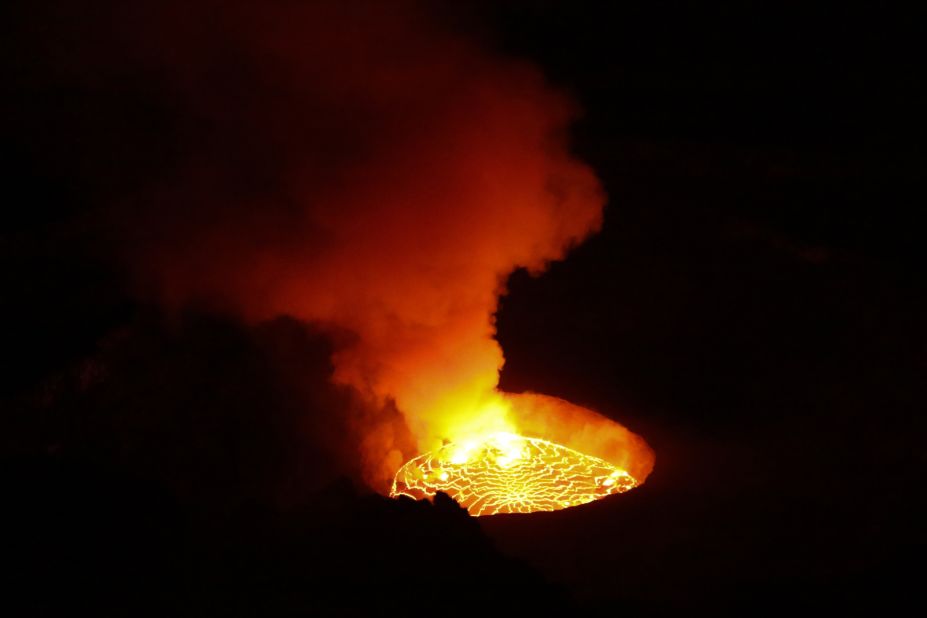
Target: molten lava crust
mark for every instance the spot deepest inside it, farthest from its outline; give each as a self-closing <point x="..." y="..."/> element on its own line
<point x="508" y="473"/>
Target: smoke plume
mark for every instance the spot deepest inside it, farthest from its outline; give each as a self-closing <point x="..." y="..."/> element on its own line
<point x="363" y="166"/>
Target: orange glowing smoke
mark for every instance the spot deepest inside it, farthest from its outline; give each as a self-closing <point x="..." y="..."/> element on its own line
<point x="508" y="473"/>
<point x="374" y="171"/>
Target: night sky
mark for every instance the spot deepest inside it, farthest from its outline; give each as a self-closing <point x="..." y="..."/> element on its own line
<point x="753" y="306"/>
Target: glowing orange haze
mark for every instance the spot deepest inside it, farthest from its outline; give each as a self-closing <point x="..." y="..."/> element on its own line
<point x="412" y="172"/>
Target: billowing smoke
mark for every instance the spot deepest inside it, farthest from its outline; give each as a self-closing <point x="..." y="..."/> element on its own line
<point x="363" y="166"/>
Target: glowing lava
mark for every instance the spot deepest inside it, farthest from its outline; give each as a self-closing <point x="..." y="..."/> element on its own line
<point x="508" y="473"/>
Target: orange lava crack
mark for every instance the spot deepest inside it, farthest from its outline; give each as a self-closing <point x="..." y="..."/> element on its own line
<point x="508" y="473"/>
